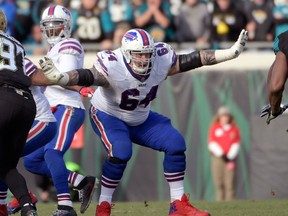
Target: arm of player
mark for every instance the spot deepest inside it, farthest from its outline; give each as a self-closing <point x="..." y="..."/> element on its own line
<point x="39" y="79"/>
<point x="276" y="82"/>
<point x="200" y="58"/>
<point x="80" y="77"/>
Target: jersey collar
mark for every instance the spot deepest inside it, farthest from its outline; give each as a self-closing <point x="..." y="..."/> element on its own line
<point x="141" y="78"/>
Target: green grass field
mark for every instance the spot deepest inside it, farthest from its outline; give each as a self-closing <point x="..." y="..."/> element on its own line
<point x="234" y="208"/>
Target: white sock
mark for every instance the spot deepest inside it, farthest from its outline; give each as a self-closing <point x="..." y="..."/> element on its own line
<point x="75" y="178"/>
<point x="65" y="203"/>
<point x="176" y="190"/>
<point x="106" y="194"/>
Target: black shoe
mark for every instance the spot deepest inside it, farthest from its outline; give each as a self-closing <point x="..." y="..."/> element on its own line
<point x="29" y="210"/>
<point x="64" y="211"/>
<point x="86" y="190"/>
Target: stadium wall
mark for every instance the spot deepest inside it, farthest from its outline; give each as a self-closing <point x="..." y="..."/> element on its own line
<point x="190" y="100"/>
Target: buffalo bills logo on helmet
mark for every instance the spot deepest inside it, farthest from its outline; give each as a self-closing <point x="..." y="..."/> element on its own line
<point x="66" y="11"/>
<point x="131" y="36"/>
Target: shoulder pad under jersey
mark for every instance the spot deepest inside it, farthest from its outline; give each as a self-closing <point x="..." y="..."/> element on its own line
<point x="71" y="46"/>
<point x="165" y="55"/>
<point x="109" y="63"/>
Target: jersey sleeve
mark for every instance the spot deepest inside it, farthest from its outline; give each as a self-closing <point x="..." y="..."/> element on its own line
<point x="280" y="43"/>
<point x="166" y="53"/>
<point x="30" y="68"/>
<point x="107" y="63"/>
<point x="101" y="63"/>
<point x="71" y="47"/>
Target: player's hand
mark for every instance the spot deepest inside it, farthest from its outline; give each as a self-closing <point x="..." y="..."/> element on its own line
<point x="266" y="110"/>
<point x="86" y="91"/>
<point x="239" y="45"/>
<point x="50" y="71"/>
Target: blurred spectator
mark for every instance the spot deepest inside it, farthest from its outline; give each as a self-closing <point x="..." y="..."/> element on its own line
<point x="23" y="21"/>
<point x="9" y="8"/>
<point x="193" y="22"/>
<point x="155" y="17"/>
<point x="121" y="29"/>
<point x="260" y="20"/>
<point x="280" y="14"/>
<point x="227" y="21"/>
<point x="34" y="44"/>
<point x="175" y="6"/>
<point x="91" y="25"/>
<point x="45" y="185"/>
<point x="120" y="14"/>
<point x="224" y="144"/>
<point x="38" y="8"/>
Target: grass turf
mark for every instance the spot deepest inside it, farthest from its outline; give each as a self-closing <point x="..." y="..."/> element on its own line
<point x="233" y="208"/>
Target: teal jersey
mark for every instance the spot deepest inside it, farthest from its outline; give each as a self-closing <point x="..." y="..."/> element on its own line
<point x="281" y="43"/>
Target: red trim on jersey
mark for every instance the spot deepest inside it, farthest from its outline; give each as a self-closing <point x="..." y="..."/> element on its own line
<point x="63" y="129"/>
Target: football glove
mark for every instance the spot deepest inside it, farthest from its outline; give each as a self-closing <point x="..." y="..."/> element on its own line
<point x="86" y="92"/>
<point x="266" y="110"/>
<point x="239" y="45"/>
<point x="234" y="51"/>
<point x="50" y="71"/>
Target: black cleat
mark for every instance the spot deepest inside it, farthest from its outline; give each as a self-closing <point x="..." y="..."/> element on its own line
<point x="86" y="190"/>
<point x="67" y="211"/>
<point x="29" y="210"/>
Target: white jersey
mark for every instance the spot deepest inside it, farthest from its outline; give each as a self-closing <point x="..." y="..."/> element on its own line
<point x="129" y="95"/>
<point x="43" y="112"/>
<point x="66" y="55"/>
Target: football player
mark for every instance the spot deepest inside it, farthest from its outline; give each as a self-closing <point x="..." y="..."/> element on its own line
<point x="128" y="79"/>
<point x="277" y="78"/>
<point x="17" y="114"/>
<point x="43" y="130"/>
<point x="67" y="54"/>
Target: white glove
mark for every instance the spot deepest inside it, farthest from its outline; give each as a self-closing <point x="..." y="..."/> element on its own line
<point x="235" y="50"/>
<point x="49" y="69"/>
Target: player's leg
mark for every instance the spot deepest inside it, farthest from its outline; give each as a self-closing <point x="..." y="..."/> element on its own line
<point x="115" y="137"/>
<point x="39" y="135"/>
<point x="69" y="120"/>
<point x="35" y="163"/>
<point x="158" y="133"/>
<point x="15" y="122"/>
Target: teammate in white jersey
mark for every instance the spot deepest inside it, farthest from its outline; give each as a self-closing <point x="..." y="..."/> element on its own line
<point x="129" y="78"/>
<point x="67" y="54"/>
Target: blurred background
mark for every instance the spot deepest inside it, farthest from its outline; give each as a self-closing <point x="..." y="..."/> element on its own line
<point x="189" y="99"/>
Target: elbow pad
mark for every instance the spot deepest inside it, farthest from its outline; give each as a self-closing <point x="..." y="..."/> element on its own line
<point x="190" y="61"/>
<point x="86" y="77"/>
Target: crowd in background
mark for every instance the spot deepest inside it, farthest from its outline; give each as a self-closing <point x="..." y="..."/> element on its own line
<point x="104" y="21"/>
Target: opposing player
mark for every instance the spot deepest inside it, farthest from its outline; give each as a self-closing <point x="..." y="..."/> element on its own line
<point x="67" y="54"/>
<point x="129" y="79"/>
<point x="17" y="114"/>
<point x="277" y="78"/>
<point x="43" y="130"/>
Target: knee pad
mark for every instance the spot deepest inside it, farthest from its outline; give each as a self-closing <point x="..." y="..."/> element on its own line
<point x="114" y="168"/>
<point x="174" y="163"/>
<point x="115" y="160"/>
